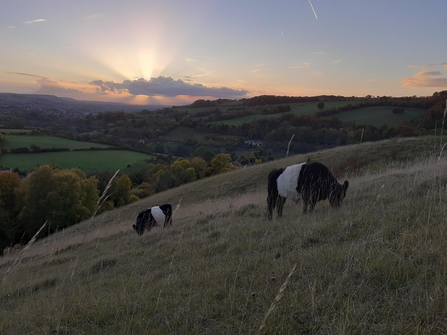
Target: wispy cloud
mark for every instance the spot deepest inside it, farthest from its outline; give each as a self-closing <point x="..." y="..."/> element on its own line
<point x="10" y="27"/>
<point x="191" y="60"/>
<point x="48" y="86"/>
<point x="423" y="67"/>
<point x="166" y="86"/>
<point x="317" y="52"/>
<point x="445" y="65"/>
<point x="260" y="67"/>
<point x="305" y="65"/>
<point x="27" y="74"/>
<point x="35" y="21"/>
<point x="425" y="79"/>
<point x="336" y="61"/>
<point x="380" y="80"/>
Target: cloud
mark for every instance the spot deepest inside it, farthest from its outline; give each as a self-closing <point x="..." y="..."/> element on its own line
<point x="305" y="65"/>
<point x="445" y="65"/>
<point x="35" y="21"/>
<point x="425" y="79"/>
<point x="336" y="61"/>
<point x="317" y="52"/>
<point x="48" y="86"/>
<point x="166" y="86"/>
<point x="27" y="74"/>
<point x="423" y="67"/>
<point x="10" y="27"/>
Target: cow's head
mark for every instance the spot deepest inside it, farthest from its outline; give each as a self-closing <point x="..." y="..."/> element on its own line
<point x="141" y="223"/>
<point x="139" y="229"/>
<point x="338" y="194"/>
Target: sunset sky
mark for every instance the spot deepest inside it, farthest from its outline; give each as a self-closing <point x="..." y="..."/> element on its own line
<point x="174" y="52"/>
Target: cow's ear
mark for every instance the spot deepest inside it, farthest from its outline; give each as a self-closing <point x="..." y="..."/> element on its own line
<point x="345" y="185"/>
<point x="134" y="227"/>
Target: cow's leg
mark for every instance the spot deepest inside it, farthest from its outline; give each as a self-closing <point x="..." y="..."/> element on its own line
<point x="168" y="220"/>
<point x="306" y="201"/>
<point x="281" y="202"/>
<point x="271" y="204"/>
<point x="312" y="205"/>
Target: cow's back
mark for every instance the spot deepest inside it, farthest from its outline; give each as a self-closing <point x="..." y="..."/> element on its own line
<point x="288" y="180"/>
<point x="158" y="215"/>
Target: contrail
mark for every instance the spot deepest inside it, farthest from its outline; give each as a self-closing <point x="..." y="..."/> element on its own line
<point x="313" y="9"/>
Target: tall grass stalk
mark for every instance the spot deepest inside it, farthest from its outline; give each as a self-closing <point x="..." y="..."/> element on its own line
<point x="288" y="146"/>
<point x="277" y="299"/>
<point x="442" y="130"/>
<point x="18" y="259"/>
<point x="100" y="202"/>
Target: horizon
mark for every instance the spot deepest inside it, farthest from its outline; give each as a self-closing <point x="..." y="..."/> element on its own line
<point x="176" y="53"/>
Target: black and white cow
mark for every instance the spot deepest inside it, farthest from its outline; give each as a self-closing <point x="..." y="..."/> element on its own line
<point x="311" y="182"/>
<point x="153" y="217"/>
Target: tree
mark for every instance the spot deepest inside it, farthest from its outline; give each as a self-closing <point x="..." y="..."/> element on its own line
<point x="320" y="105"/>
<point x="204" y="153"/>
<point x="34" y="147"/>
<point x="122" y="192"/>
<point x="222" y="163"/>
<point x="9" y="183"/>
<point x="62" y="197"/>
<point x="199" y="165"/>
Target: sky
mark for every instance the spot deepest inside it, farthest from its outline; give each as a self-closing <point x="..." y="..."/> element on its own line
<point x="174" y="52"/>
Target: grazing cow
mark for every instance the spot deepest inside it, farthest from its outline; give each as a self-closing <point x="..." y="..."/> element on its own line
<point x="310" y="181"/>
<point x="153" y="217"/>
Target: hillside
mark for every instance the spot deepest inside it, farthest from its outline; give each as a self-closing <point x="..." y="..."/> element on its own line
<point x="377" y="265"/>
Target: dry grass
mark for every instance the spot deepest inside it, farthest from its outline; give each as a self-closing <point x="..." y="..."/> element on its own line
<point x="376" y="266"/>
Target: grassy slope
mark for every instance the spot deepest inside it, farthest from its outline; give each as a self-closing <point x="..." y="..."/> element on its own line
<point x="12" y="142"/>
<point x="88" y="161"/>
<point x="375" y="266"/>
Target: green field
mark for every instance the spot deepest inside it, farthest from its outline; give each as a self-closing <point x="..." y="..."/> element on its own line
<point x="298" y="109"/>
<point x="88" y="161"/>
<point x="44" y="142"/>
<point x="378" y="116"/>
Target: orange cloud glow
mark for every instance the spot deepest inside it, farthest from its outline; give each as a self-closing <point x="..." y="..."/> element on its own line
<point x="425" y="79"/>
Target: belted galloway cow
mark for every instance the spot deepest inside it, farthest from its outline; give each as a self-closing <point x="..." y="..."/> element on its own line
<point x="311" y="182"/>
<point x="153" y="217"/>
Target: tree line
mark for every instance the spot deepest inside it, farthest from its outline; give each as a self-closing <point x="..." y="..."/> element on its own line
<point x="66" y="197"/>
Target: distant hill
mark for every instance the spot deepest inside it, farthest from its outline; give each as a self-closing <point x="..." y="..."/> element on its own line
<point x="38" y="102"/>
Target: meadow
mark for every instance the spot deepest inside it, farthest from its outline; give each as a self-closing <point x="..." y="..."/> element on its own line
<point x="44" y="142"/>
<point x="88" y="161"/>
<point x="298" y="109"/>
<point x="375" y="266"/>
<point x="378" y="115"/>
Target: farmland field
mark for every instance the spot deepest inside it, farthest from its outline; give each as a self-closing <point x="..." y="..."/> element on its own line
<point x="378" y="115"/>
<point x="13" y="142"/>
<point x="88" y="161"/>
<point x="298" y="109"/>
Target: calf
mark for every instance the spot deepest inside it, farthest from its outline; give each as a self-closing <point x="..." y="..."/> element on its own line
<point x="311" y="182"/>
<point x="153" y="217"/>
